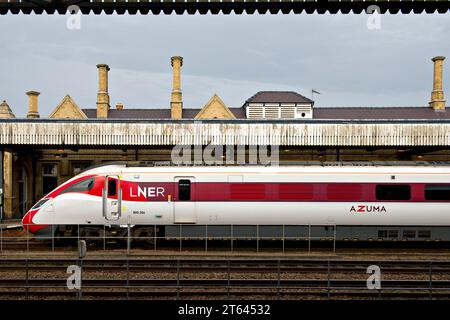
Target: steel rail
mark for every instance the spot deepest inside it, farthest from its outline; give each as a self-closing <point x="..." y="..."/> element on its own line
<point x="190" y="277"/>
<point x="206" y="260"/>
<point x="406" y="284"/>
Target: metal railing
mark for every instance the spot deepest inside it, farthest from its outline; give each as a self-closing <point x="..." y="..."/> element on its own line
<point x="253" y="238"/>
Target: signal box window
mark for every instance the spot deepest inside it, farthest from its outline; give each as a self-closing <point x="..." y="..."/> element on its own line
<point x="437" y="192"/>
<point x="184" y="190"/>
<point x="112" y="187"/>
<point x="393" y="192"/>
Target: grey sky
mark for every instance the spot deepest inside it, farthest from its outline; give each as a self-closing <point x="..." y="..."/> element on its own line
<point x="233" y="56"/>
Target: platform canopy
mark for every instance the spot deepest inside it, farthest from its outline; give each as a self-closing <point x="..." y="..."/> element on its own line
<point x="47" y="132"/>
<point x="221" y="6"/>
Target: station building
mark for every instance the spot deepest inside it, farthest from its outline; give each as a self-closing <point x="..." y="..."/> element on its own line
<point x="40" y="152"/>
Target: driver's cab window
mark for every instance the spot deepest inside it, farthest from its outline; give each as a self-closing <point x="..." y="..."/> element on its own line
<point x="81" y="186"/>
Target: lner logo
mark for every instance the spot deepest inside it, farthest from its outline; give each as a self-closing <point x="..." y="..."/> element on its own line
<point x="148" y="192"/>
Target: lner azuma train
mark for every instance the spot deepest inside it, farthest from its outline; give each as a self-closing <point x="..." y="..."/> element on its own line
<point x="348" y="202"/>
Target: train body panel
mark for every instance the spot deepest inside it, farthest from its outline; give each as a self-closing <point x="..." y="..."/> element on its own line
<point x="69" y="211"/>
<point x="292" y="195"/>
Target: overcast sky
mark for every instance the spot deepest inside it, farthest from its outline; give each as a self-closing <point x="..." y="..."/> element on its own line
<point x="233" y="56"/>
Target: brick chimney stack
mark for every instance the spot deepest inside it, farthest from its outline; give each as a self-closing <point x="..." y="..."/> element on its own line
<point x="33" y="104"/>
<point x="102" y="95"/>
<point x="176" y="102"/>
<point x="437" y="95"/>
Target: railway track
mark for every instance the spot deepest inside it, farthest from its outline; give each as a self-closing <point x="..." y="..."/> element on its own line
<point x="234" y="264"/>
<point x="294" y="288"/>
<point x="325" y="247"/>
<point x="223" y="278"/>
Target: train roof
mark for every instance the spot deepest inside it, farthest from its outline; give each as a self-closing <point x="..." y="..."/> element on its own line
<point x="303" y="166"/>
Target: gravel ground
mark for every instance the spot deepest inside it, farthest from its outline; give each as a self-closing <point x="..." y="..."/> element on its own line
<point x="90" y="274"/>
<point x="350" y="254"/>
<point x="37" y="250"/>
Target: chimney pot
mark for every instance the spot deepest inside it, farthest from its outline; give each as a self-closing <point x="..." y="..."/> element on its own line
<point x="176" y="58"/>
<point x="102" y="65"/>
<point x="119" y="106"/>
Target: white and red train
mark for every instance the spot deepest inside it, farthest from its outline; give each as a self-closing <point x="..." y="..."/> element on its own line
<point x="361" y="202"/>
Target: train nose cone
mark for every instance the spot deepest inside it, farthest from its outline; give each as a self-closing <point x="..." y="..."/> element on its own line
<point x="27" y="220"/>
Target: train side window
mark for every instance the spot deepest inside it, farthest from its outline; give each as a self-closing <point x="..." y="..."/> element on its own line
<point x="112" y="187"/>
<point x="424" y="234"/>
<point x="393" y="192"/>
<point x="437" y="192"/>
<point x="247" y="191"/>
<point x="80" y="186"/>
<point x="344" y="191"/>
<point x="409" y="233"/>
<point x="393" y="234"/>
<point x="382" y="233"/>
<point x="184" y="190"/>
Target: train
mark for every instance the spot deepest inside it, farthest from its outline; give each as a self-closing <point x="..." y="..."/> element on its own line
<point x="346" y="202"/>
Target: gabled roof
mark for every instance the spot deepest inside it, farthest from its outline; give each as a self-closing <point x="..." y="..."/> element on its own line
<point x="5" y="110"/>
<point x="278" y="97"/>
<point x="215" y="108"/>
<point x="68" y="108"/>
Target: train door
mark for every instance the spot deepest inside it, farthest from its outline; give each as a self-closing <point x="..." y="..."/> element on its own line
<point x="184" y="204"/>
<point x="112" y="198"/>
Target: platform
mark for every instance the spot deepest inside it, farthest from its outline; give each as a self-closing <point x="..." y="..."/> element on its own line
<point x="11" y="223"/>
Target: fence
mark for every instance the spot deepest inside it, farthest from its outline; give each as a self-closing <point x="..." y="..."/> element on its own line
<point x="180" y="237"/>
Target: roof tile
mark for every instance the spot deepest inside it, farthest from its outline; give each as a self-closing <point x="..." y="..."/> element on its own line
<point x="239" y="113"/>
<point x="378" y="113"/>
<point x="278" y="97"/>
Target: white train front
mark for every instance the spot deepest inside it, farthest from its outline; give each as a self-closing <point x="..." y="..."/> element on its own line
<point x="362" y="202"/>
